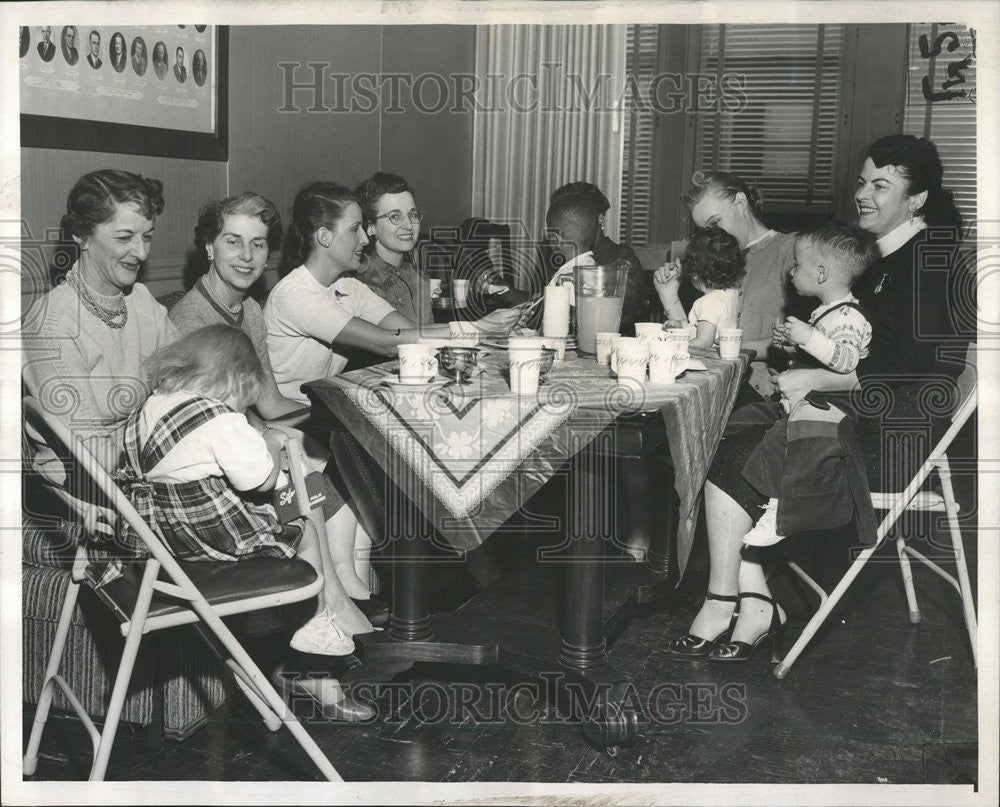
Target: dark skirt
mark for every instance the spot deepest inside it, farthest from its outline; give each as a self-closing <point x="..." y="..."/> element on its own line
<point x="892" y="451"/>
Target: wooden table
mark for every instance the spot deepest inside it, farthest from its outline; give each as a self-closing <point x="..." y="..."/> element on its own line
<point x="410" y="470"/>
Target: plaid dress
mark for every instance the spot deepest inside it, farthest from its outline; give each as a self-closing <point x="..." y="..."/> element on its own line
<point x="205" y="519"/>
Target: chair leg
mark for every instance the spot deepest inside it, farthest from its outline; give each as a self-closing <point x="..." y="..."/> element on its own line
<point x="48" y="683"/>
<point x="133" y="638"/>
<point x="270" y="696"/>
<point x="911" y="592"/>
<point x="951" y="508"/>
<point x="271" y="720"/>
<point x="784" y="666"/>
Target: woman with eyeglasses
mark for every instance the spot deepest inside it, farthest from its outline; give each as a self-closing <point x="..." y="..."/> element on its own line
<point x="319" y="312"/>
<point x="388" y="268"/>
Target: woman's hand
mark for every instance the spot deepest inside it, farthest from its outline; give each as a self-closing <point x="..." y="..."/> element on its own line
<point x="779" y="334"/>
<point x="794" y="384"/>
<point x="499" y="322"/>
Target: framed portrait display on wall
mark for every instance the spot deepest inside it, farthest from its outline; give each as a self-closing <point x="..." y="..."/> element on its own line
<point x="157" y="90"/>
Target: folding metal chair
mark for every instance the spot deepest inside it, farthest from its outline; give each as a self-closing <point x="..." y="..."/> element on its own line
<point x="198" y="593"/>
<point x="912" y="498"/>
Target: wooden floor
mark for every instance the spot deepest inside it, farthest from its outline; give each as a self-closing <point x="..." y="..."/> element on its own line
<point x="872" y="700"/>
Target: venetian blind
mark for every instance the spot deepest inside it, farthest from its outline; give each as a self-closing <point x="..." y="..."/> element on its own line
<point x="642" y="51"/>
<point x="941" y="104"/>
<point x="781" y="131"/>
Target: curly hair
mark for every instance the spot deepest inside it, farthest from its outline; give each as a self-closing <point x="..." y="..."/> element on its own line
<point x="714" y="259"/>
<point x="597" y="201"/>
<point x="96" y="196"/>
<point x="375" y="187"/>
<point x="217" y="360"/>
<point x="212" y="217"/>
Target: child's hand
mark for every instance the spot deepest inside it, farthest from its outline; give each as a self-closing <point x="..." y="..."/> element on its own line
<point x="798" y="331"/>
<point x="276" y="439"/>
<point x="667" y="273"/>
<point x="675" y="324"/>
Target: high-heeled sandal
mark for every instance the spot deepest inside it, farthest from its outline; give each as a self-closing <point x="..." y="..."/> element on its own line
<point x="742" y="651"/>
<point x="691" y="646"/>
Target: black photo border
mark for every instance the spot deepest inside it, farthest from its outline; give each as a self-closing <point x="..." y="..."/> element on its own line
<point x="43" y="131"/>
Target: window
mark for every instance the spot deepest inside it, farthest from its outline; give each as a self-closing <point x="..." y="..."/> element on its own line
<point x="941" y="104"/>
<point x="782" y="132"/>
<point x="641" y="57"/>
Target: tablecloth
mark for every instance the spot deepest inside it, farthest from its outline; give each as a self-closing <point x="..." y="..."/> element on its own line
<point x="470" y="455"/>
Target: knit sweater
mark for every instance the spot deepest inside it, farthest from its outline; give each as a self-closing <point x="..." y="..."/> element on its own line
<point x="86" y="373"/>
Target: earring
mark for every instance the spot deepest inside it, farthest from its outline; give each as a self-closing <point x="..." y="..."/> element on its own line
<point x="911" y="217"/>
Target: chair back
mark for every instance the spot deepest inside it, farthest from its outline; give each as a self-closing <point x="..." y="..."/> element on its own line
<point x="92" y="483"/>
<point x="968" y="387"/>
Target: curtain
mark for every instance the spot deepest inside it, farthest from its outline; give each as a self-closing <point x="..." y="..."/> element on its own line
<point x="551" y="114"/>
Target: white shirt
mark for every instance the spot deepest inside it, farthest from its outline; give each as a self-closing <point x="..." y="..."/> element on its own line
<point x="720" y="307"/>
<point x="226" y="446"/>
<point x="583" y="259"/>
<point x="899" y="235"/>
<point x="303" y="317"/>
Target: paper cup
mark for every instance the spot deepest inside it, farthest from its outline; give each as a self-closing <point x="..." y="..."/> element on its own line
<point x="629" y="357"/>
<point x="515" y="343"/>
<point x="729" y="342"/>
<point x="558" y="344"/>
<point x="648" y="331"/>
<point x="525" y="364"/>
<point x="665" y="364"/>
<point x="677" y="338"/>
<point x="417" y="363"/>
<point x="604" y="342"/>
<point x="460" y="290"/>
<point x="460" y="329"/>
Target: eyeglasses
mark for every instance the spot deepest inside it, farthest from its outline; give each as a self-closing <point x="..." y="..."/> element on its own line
<point x="396" y="217"/>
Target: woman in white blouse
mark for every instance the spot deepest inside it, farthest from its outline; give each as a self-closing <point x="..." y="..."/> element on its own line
<point x="314" y="315"/>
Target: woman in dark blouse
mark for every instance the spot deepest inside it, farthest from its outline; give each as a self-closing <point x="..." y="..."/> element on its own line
<point x="903" y="391"/>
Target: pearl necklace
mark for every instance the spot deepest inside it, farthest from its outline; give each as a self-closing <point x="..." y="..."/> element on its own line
<point x="232" y="309"/>
<point x="113" y="318"/>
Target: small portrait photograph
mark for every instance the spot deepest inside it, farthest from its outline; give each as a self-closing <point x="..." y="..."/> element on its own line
<point x="25" y="40"/>
<point x="180" y="69"/>
<point x="46" y="47"/>
<point x="140" y="58"/>
<point x="69" y="51"/>
<point x="94" y="49"/>
<point x="160" y="60"/>
<point x="200" y="28"/>
<point x="117" y="52"/>
<point x="199" y="67"/>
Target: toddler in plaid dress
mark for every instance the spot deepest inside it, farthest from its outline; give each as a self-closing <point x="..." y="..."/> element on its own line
<point x="195" y="466"/>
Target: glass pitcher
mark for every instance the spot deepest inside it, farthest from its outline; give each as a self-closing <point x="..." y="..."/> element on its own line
<point x="600" y="294"/>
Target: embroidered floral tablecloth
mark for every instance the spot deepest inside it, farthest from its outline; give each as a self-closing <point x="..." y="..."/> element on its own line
<point x="469" y="456"/>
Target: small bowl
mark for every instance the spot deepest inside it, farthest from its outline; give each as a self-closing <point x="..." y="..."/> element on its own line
<point x="545" y="367"/>
<point x="458" y="362"/>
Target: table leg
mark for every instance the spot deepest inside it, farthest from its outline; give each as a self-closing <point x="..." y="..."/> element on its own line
<point x="590" y="517"/>
<point x="410" y="620"/>
<point x="662" y="509"/>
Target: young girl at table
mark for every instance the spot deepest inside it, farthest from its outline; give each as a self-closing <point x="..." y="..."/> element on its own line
<point x="715" y="265"/>
<point x="195" y="464"/>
